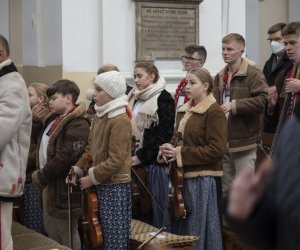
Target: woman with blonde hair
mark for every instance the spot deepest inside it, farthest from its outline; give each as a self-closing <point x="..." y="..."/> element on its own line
<point x="203" y="128"/>
<point x="33" y="216"/>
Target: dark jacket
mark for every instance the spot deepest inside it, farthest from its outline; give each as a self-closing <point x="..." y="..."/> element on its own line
<point x="275" y="223"/>
<point x="160" y="134"/>
<point x="65" y="146"/>
<point x="37" y="127"/>
<point x="271" y="120"/>
<point x="270" y="74"/>
<point x="248" y="96"/>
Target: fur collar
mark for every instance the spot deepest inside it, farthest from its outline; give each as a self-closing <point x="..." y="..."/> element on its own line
<point x="188" y="111"/>
<point x="80" y="111"/>
<point x="7" y="67"/>
<point x="5" y="63"/>
<point x="241" y="72"/>
<point x="200" y="108"/>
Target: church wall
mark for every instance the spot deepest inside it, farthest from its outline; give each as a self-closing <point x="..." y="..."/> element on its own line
<point x="4" y="14"/>
<point x="271" y="12"/>
<point x="105" y="33"/>
<point x="72" y="38"/>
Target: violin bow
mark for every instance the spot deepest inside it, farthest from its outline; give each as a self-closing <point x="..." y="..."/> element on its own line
<point x="152" y="237"/>
<point x="134" y="141"/>
<point x="70" y="190"/>
<point x="148" y="191"/>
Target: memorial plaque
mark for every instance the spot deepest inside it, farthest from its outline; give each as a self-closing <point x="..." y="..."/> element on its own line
<point x="163" y="30"/>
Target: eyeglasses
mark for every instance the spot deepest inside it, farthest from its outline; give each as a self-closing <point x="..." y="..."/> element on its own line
<point x="190" y="58"/>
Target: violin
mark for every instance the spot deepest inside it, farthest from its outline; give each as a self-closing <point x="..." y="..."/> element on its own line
<point x="92" y="232"/>
<point x="176" y="177"/>
<point x="141" y="200"/>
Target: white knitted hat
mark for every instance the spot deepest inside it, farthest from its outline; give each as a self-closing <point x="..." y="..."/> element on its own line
<point x="112" y="82"/>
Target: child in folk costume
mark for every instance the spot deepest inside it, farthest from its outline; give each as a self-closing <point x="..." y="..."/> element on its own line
<point x="109" y="147"/>
<point x="64" y="136"/>
<point x="203" y="127"/>
<point x="33" y="216"/>
<point x="153" y="115"/>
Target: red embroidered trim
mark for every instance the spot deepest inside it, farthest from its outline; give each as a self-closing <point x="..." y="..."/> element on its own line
<point x="57" y="120"/>
<point x="179" y="89"/>
<point x="225" y="80"/>
<point x="128" y="112"/>
<point x="13" y="189"/>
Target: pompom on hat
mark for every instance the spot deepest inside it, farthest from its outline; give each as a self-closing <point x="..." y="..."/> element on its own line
<point x="112" y="82"/>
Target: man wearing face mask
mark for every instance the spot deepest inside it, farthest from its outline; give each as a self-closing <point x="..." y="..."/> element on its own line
<point x="277" y="62"/>
<point x="285" y="82"/>
<point x="279" y="59"/>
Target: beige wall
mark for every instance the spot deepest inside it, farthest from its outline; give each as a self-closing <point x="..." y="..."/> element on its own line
<point x="271" y="12"/>
<point x="51" y="74"/>
<point x="47" y="74"/>
<point x="15" y="31"/>
<point x="84" y="80"/>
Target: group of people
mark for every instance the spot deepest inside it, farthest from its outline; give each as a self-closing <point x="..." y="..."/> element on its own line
<point x="219" y="120"/>
<point x="261" y="208"/>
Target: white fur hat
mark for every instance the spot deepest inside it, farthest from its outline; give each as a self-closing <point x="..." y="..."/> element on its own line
<point x="112" y="82"/>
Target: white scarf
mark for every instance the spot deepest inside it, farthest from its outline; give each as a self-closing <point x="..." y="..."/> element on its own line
<point x="113" y="108"/>
<point x="148" y="112"/>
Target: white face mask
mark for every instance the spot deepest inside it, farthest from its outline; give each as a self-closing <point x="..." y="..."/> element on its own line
<point x="277" y="47"/>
